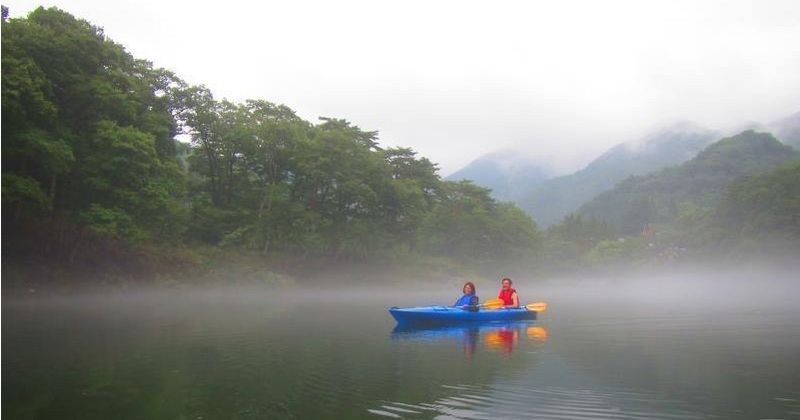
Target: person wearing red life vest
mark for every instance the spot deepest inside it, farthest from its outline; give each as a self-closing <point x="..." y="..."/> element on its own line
<point x="508" y="295"/>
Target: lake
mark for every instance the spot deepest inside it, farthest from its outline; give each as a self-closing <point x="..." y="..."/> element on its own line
<point x="639" y="349"/>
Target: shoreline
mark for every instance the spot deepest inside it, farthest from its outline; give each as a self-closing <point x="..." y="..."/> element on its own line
<point x="281" y="272"/>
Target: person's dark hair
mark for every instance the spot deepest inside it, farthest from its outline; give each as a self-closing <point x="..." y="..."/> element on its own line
<point x="469" y="283"/>
<point x="506" y="278"/>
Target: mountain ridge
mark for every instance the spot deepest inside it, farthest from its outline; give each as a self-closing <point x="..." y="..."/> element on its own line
<point x="559" y="196"/>
<point x="660" y="196"/>
<point x="507" y="174"/>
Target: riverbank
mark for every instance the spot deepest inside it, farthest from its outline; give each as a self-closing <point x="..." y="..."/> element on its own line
<point x="183" y="266"/>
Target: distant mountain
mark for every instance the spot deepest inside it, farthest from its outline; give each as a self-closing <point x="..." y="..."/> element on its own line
<point x="787" y="130"/>
<point x="557" y="197"/>
<point x="700" y="182"/>
<point x="509" y="176"/>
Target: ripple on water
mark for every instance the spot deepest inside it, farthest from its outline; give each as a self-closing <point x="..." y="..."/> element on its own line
<point x="515" y="401"/>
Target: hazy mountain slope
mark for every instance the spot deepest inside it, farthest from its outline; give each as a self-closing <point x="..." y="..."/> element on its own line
<point x="787" y="130"/>
<point x="507" y="175"/>
<point x="763" y="205"/>
<point x="658" y="197"/>
<point x="557" y="197"/>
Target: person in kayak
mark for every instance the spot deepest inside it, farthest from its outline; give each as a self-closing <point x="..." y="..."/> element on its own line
<point x="508" y="295"/>
<point x="469" y="298"/>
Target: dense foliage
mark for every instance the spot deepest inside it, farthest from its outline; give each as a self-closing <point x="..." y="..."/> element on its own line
<point x="568" y="243"/>
<point x="765" y="205"/>
<point x="663" y="196"/>
<point x="87" y="137"/>
<point x="89" y="157"/>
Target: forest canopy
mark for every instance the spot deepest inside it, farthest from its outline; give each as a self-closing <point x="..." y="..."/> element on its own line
<point x="90" y="156"/>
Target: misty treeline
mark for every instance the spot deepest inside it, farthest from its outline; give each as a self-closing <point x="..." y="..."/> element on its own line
<point x="90" y="161"/>
<point x="740" y="195"/>
<point x="91" y="165"/>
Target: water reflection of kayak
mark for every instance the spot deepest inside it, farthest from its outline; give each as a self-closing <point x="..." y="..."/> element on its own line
<point x="501" y="336"/>
<point x="454" y="315"/>
<point x="410" y="331"/>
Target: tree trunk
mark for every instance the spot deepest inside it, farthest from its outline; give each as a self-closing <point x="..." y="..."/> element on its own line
<point x="266" y="200"/>
<point x="75" y="246"/>
<point x="52" y="193"/>
<point x="212" y="173"/>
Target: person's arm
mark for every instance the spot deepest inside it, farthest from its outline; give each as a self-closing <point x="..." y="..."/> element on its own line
<point x="515" y="299"/>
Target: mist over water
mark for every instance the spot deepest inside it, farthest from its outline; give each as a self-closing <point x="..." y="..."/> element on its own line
<point x="682" y="345"/>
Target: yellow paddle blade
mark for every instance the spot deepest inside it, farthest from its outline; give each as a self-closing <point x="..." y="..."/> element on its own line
<point x="493" y="304"/>
<point x="537" y="306"/>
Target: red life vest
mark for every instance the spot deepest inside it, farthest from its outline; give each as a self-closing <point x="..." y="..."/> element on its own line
<point x="505" y="295"/>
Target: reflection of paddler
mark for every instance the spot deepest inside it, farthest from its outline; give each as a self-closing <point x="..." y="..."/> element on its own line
<point x="470" y="341"/>
<point x="538" y="334"/>
<point x="503" y="339"/>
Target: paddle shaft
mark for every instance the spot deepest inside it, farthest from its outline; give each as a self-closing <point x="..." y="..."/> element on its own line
<point x="498" y="304"/>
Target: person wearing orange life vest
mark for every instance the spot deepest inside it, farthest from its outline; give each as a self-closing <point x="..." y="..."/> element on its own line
<point x="508" y="295"/>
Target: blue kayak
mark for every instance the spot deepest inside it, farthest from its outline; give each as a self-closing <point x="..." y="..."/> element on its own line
<point x="452" y="314"/>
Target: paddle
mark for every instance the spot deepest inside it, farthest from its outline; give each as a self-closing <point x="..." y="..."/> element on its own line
<point x="492" y="304"/>
<point x="537" y="306"/>
<point x="498" y="303"/>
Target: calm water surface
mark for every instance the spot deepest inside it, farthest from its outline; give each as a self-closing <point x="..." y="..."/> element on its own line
<point x="260" y="354"/>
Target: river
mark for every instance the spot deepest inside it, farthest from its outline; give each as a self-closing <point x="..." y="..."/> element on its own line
<point x="606" y="350"/>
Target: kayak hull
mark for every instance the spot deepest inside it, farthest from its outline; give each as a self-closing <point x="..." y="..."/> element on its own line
<point x="453" y="315"/>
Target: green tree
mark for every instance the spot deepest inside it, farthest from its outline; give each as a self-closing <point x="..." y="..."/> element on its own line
<point x="467" y="223"/>
<point x="90" y="128"/>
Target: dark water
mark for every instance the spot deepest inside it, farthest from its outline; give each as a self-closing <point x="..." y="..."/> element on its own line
<point x="649" y="354"/>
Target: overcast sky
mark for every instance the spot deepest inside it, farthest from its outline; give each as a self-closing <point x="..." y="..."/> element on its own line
<point x="558" y="80"/>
